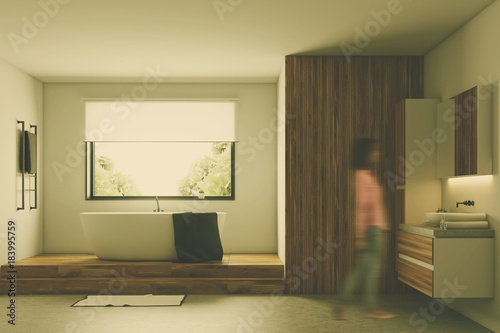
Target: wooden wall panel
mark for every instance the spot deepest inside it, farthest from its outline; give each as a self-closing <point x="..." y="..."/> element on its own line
<point x="466" y="133"/>
<point x="400" y="134"/>
<point x="399" y="207"/>
<point x="330" y="101"/>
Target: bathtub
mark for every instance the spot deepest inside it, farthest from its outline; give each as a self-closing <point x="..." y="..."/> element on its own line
<point x="133" y="236"/>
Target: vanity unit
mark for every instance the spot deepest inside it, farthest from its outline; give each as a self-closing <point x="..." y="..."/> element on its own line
<point x="437" y="140"/>
<point x="456" y="263"/>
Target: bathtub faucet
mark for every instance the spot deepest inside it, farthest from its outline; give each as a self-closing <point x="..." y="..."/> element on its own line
<point x="157" y="205"/>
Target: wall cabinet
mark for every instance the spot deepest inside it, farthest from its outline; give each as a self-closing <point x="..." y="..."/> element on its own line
<point x="416" y="159"/>
<point x="446" y="267"/>
<point x="466" y="122"/>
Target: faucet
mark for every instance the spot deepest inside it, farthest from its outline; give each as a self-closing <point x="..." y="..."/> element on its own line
<point x="157" y="205"/>
<point x="466" y="203"/>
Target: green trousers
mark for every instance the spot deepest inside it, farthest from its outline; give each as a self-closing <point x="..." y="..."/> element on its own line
<point x="368" y="269"/>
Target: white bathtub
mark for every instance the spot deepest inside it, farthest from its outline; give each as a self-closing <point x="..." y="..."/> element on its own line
<point x="133" y="236"/>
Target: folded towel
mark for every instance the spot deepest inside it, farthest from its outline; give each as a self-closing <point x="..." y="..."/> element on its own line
<point x="30" y="152"/>
<point x="465" y="225"/>
<point x="197" y="237"/>
<point x="466" y="217"/>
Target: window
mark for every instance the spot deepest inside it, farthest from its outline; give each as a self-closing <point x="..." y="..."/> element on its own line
<point x="169" y="149"/>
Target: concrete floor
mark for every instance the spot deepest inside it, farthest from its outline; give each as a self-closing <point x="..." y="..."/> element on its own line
<point x="232" y="313"/>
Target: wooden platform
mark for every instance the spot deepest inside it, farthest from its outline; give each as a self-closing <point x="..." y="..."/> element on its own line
<point x="86" y="274"/>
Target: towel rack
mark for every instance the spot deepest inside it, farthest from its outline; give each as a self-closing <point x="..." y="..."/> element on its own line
<point x="34" y="176"/>
<point x="22" y="159"/>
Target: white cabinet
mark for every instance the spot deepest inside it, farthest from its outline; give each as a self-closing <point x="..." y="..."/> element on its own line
<point x="416" y="160"/>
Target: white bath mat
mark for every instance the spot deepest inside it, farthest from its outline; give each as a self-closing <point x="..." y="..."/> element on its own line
<point x="131" y="300"/>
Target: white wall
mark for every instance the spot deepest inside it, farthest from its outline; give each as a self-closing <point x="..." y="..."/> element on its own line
<point x="469" y="57"/>
<point x="251" y="218"/>
<point x="20" y="99"/>
<point x="281" y="165"/>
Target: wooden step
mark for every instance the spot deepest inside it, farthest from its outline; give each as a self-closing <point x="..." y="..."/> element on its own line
<point x="232" y="266"/>
<point x="139" y="286"/>
<point x="85" y="273"/>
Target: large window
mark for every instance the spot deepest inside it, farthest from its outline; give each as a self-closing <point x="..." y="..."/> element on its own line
<point x="184" y="148"/>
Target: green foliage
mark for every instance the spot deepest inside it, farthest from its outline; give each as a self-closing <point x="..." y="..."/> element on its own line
<point x="111" y="183"/>
<point x="212" y="173"/>
<point x="105" y="163"/>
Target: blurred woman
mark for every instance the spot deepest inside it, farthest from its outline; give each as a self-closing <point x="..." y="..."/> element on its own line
<point x="370" y="221"/>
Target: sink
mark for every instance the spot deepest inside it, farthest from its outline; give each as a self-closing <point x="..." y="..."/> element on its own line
<point x="436" y="217"/>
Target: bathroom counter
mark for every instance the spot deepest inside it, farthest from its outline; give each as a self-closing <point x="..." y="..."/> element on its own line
<point x="436" y="232"/>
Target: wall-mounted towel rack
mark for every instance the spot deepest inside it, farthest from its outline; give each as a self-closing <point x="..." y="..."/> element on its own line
<point x="32" y="173"/>
<point x="34" y="176"/>
<point x="21" y="158"/>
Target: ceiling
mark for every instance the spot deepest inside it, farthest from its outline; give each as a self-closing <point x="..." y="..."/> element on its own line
<point x="193" y="41"/>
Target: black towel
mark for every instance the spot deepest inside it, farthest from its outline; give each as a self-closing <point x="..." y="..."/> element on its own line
<point x="197" y="237"/>
<point x="30" y="152"/>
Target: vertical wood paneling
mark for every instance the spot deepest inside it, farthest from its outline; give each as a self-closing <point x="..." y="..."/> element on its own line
<point x="400" y="127"/>
<point x="400" y="208"/>
<point x="330" y="102"/>
<point x="466" y="133"/>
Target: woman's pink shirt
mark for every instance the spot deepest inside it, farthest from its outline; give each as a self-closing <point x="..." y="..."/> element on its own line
<point x="369" y="203"/>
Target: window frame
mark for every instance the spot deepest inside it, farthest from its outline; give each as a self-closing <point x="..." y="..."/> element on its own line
<point x="89" y="181"/>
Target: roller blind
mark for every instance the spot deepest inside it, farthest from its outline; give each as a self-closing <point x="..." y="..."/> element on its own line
<point x="176" y="121"/>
